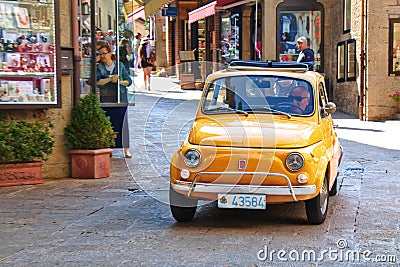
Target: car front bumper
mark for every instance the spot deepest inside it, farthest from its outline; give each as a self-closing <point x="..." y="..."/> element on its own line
<point x="211" y="188"/>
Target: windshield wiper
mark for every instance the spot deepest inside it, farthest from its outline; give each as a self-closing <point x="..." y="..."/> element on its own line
<point x="228" y="109"/>
<point x="271" y="110"/>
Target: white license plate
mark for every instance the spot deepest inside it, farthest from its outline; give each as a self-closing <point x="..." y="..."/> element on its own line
<point x="242" y="201"/>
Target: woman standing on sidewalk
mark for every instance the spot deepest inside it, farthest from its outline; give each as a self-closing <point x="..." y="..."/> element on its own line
<point x="110" y="81"/>
<point x="147" y="65"/>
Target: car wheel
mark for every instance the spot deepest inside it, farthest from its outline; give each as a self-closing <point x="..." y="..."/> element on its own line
<point x="317" y="207"/>
<point x="182" y="208"/>
<point x="333" y="190"/>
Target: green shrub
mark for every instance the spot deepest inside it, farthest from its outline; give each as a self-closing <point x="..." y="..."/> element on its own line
<point x="23" y="141"/>
<point x="90" y="128"/>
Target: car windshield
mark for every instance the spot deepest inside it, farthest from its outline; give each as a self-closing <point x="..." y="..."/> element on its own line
<point x="259" y="94"/>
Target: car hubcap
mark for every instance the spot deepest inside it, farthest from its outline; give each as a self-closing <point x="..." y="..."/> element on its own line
<point x="323" y="197"/>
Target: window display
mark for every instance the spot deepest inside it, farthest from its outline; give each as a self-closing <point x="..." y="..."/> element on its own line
<point x="27" y="53"/>
<point x="230" y="45"/>
<point x="294" y="24"/>
<point x="202" y="39"/>
<point x="394" y="46"/>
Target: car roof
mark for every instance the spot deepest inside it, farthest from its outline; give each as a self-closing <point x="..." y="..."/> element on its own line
<point x="284" y="69"/>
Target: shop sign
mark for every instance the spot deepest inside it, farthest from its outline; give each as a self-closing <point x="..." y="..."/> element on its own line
<point x="170" y="12"/>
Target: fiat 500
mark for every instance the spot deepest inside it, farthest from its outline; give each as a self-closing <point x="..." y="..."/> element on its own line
<point x="263" y="134"/>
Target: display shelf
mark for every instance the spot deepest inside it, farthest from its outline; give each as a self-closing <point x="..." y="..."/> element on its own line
<point x="26" y="74"/>
<point x="28" y="57"/>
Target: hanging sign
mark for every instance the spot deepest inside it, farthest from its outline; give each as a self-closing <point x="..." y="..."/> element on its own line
<point x="170" y="12"/>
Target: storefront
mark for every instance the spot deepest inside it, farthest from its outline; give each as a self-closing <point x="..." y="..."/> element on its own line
<point x="36" y="69"/>
<point x="294" y="21"/>
<point x="223" y="30"/>
<point x="230" y="35"/>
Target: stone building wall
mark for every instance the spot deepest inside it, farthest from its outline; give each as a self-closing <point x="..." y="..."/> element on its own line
<point x="345" y="94"/>
<point x="58" y="164"/>
<point x="379" y="83"/>
<point x="107" y="8"/>
<point x="378" y="106"/>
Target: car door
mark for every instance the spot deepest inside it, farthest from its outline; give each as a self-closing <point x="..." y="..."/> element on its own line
<point x="331" y="142"/>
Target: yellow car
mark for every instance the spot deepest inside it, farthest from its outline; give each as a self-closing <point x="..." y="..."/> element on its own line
<point x="263" y="134"/>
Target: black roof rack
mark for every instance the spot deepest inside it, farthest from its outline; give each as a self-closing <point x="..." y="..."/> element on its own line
<point x="270" y="64"/>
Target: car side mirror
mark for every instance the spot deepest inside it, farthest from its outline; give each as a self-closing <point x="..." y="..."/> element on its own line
<point x="330" y="108"/>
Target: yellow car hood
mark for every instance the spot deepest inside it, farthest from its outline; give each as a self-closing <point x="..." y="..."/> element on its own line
<point x="255" y="133"/>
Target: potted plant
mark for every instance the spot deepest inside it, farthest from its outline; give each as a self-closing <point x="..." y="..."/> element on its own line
<point x="23" y="147"/>
<point x="396" y="97"/>
<point x="90" y="136"/>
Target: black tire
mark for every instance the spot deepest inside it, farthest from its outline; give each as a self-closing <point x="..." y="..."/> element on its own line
<point x="333" y="190"/>
<point x="183" y="209"/>
<point x="317" y="207"/>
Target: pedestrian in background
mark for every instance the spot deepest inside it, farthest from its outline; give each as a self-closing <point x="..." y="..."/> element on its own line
<point x="136" y="46"/>
<point x="124" y="52"/>
<point x="306" y="54"/>
<point x="147" y="65"/>
<point x="110" y="81"/>
<point x="110" y="39"/>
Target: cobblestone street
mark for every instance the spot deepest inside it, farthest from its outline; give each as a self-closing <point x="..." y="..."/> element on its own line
<point x="124" y="220"/>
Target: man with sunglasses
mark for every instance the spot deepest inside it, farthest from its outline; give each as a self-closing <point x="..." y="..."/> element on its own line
<point x="300" y="98"/>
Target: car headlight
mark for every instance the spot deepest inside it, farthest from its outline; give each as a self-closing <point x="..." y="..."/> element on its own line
<point x="192" y="158"/>
<point x="295" y="162"/>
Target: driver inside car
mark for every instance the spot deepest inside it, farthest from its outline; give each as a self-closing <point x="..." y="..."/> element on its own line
<point x="300" y="98"/>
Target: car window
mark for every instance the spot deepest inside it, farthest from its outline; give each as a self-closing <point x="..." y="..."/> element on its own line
<point x="259" y="94"/>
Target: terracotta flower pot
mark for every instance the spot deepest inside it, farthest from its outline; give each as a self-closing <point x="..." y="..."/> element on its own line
<point x="21" y="174"/>
<point x="90" y="163"/>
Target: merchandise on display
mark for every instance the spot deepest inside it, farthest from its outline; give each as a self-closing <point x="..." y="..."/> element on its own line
<point x="294" y="24"/>
<point x="27" y="52"/>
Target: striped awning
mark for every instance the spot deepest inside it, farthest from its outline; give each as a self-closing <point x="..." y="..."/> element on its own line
<point x="202" y="12"/>
<point x="138" y="13"/>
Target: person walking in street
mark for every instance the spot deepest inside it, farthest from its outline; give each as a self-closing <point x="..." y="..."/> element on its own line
<point x="147" y="65"/>
<point x="124" y="52"/>
<point x="306" y="54"/>
<point x="136" y="46"/>
<point x="110" y="81"/>
<point x="110" y="38"/>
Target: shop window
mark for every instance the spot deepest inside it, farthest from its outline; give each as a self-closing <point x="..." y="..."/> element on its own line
<point x="296" y="21"/>
<point x="346" y="69"/>
<point x="394" y="47"/>
<point x="230" y="36"/>
<point x="29" y="50"/>
<point x="346" y="16"/>
<point x="202" y="39"/>
<point x="93" y="31"/>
